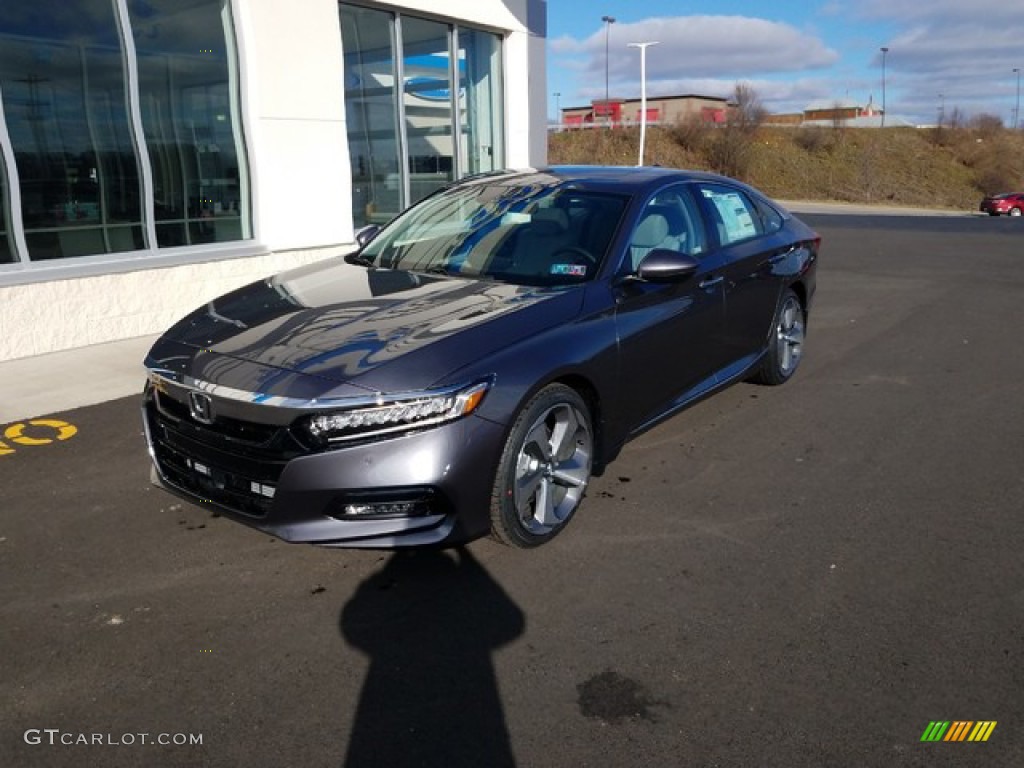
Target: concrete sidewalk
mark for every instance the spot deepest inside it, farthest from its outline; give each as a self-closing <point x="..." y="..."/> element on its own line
<point x="61" y="381"/>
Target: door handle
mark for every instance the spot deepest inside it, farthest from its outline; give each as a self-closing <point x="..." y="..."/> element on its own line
<point x="710" y="282"/>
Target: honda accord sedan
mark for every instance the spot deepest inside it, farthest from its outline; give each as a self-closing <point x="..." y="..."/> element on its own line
<point x="474" y="363"/>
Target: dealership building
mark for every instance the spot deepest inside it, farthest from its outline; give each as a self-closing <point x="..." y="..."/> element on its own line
<point x="157" y="153"/>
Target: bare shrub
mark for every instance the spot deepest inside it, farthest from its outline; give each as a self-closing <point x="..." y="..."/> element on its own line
<point x="812" y="138"/>
<point x="729" y="152"/>
<point x="747" y="113"/>
<point x="691" y="133"/>
<point x="987" y="125"/>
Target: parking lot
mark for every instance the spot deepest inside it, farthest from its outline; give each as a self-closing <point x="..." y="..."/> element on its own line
<point x="800" y="576"/>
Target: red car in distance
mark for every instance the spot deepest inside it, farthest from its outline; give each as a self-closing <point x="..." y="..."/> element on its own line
<point x="1006" y="204"/>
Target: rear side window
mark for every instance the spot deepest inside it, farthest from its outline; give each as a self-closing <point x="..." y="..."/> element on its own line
<point x="733" y="213"/>
<point x="771" y="219"/>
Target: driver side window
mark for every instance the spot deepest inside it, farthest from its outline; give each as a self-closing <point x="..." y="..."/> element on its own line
<point x="670" y="220"/>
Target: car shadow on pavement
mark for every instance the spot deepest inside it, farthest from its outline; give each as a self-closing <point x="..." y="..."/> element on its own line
<point x="430" y="621"/>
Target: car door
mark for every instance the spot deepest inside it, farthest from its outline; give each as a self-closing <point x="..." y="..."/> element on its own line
<point x="669" y="334"/>
<point x="749" y="243"/>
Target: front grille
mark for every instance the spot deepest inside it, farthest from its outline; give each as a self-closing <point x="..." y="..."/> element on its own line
<point x="235" y="464"/>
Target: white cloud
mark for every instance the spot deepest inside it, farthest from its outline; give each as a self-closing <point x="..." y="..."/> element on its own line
<point x="944" y="52"/>
<point x="697" y="46"/>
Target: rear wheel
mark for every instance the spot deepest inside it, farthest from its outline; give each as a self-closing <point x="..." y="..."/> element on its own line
<point x="544" y="468"/>
<point x="786" y="343"/>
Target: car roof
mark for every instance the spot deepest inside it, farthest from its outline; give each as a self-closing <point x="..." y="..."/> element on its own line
<point x="605" y="178"/>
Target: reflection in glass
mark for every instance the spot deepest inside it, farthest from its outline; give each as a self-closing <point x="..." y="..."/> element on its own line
<point x="186" y="72"/>
<point x="6" y="248"/>
<point x="421" y="155"/>
<point x="428" y="105"/>
<point x="526" y="231"/>
<point x="371" y="111"/>
<point x="480" y="113"/>
<point x="63" y="83"/>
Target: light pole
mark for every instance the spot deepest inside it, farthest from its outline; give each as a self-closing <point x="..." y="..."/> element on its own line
<point x="608" y="21"/>
<point x="643" y="93"/>
<point x="558" y="108"/>
<point x="1016" y="109"/>
<point x="884" y="52"/>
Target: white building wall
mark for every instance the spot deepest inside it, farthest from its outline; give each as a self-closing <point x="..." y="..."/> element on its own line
<point x="296" y="115"/>
<point x="293" y="106"/>
<point x="65" y="314"/>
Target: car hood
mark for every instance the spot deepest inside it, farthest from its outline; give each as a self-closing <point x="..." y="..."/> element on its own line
<point x="379" y="330"/>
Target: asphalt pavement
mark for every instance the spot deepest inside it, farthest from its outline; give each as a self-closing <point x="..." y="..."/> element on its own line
<point x="807" y="575"/>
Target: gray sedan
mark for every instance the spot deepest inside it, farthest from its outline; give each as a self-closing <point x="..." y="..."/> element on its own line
<point x="475" y="362"/>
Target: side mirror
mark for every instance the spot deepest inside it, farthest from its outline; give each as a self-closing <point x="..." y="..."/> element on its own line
<point x="665" y="266"/>
<point x="365" y="234"/>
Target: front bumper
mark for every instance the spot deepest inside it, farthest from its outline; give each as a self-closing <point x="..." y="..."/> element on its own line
<point x="261" y="474"/>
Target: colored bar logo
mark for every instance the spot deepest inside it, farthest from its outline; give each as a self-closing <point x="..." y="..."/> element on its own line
<point x="958" y="730"/>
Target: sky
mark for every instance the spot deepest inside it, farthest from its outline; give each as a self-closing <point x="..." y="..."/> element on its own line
<point x="944" y="55"/>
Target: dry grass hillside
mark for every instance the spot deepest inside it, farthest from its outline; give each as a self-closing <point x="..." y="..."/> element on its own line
<point x="940" y="168"/>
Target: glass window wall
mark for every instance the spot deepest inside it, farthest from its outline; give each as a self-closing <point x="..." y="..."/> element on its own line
<point x="429" y="120"/>
<point x="480" y="94"/>
<point x="6" y="248"/>
<point x="371" y="111"/>
<point x="68" y="86"/>
<point x="63" y="80"/>
<point x="185" y="67"/>
<point x="444" y="122"/>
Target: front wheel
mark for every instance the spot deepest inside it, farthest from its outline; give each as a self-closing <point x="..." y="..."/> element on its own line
<point x="786" y="342"/>
<point x="1015" y="211"/>
<point x="544" y="469"/>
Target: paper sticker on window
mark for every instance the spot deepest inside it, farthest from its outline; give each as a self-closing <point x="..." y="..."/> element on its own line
<point x="575" y="270"/>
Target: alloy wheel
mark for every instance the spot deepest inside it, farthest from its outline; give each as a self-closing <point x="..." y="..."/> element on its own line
<point x="552" y="468"/>
<point x="790" y="335"/>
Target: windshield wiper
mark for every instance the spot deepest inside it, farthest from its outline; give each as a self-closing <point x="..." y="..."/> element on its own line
<point x="437" y="269"/>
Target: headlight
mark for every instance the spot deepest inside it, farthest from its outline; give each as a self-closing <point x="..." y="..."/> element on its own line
<point x="397" y="413"/>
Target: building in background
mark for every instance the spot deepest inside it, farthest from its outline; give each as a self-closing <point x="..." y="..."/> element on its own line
<point x="841" y="113"/>
<point x="154" y="153"/>
<point x="667" y="109"/>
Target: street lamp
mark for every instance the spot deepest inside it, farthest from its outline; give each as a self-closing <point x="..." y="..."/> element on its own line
<point x="608" y="21"/>
<point x="558" y="107"/>
<point x="643" y="93"/>
<point x="884" y="51"/>
<point x="1016" y="110"/>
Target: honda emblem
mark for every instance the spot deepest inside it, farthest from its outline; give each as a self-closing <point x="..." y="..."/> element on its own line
<point x="200" y="405"/>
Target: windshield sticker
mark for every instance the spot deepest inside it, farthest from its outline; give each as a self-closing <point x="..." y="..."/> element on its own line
<point x="575" y="270"/>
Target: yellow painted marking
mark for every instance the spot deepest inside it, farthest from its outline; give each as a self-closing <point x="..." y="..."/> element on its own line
<point x="16" y="432"/>
<point x="5" y="449"/>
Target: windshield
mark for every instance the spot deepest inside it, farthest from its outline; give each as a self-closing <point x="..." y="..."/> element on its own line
<point x="530" y="235"/>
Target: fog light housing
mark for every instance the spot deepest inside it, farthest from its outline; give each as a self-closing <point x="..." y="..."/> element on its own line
<point x="397" y="503"/>
<point x="386" y="508"/>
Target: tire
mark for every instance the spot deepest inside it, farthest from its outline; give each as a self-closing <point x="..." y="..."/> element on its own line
<point x="1015" y="211"/>
<point x="785" y="342"/>
<point x="544" y="469"/>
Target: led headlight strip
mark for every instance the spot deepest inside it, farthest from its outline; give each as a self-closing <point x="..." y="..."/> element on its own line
<point x="425" y="409"/>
